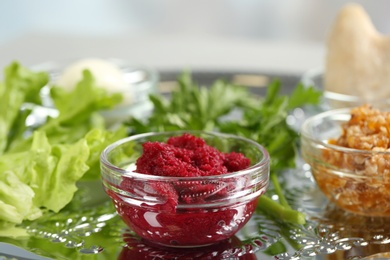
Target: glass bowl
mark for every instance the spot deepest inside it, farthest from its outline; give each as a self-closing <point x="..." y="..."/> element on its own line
<point x="335" y="100"/>
<point x="356" y="180"/>
<point x="220" y="205"/>
<point x="140" y="82"/>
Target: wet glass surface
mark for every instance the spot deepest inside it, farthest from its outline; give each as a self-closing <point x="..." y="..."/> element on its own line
<point x="92" y="230"/>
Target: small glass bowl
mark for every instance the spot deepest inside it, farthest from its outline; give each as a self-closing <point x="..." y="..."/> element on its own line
<point x="356" y="180"/>
<point x="334" y="100"/>
<point x="142" y="81"/>
<point x="222" y="210"/>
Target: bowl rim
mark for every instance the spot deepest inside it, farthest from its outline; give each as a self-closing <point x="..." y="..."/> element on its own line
<point x="308" y="79"/>
<point x="340" y="113"/>
<point x="262" y="165"/>
<point x="54" y="67"/>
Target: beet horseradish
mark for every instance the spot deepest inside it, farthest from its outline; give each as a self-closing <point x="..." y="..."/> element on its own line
<point x="185" y="189"/>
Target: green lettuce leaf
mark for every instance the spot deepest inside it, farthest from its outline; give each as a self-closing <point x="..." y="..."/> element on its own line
<point x="75" y="107"/>
<point x="44" y="179"/>
<point x="20" y="86"/>
<point x="40" y="173"/>
<point x="78" y="113"/>
<point x="54" y="171"/>
<point x="97" y="140"/>
<point x="16" y="198"/>
<point x="46" y="176"/>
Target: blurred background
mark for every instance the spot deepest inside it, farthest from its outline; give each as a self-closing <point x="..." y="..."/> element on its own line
<point x="132" y="28"/>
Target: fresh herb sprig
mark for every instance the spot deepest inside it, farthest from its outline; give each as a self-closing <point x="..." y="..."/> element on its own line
<point x="193" y="107"/>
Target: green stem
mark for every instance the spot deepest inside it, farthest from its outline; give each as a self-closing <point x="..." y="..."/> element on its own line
<point x="275" y="249"/>
<point x="278" y="191"/>
<point x="279" y="211"/>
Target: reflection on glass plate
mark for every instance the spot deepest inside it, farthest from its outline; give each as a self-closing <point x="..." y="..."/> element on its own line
<point x="98" y="233"/>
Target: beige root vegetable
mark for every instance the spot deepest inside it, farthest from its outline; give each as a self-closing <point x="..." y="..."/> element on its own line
<point x="358" y="56"/>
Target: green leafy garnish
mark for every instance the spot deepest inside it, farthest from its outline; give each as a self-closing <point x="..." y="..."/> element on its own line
<point x="39" y="172"/>
<point x="19" y="86"/>
<point x="77" y="112"/>
<point x="191" y="107"/>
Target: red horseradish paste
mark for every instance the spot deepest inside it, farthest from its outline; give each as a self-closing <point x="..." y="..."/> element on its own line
<point x="179" y="219"/>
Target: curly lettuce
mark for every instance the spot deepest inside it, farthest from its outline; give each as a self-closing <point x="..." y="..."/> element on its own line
<point x="39" y="172"/>
<point x="19" y="86"/>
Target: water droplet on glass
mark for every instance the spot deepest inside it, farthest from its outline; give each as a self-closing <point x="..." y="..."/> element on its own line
<point x="221" y="223"/>
<point x="258" y="242"/>
<point x="92" y="250"/>
<point x="73" y="244"/>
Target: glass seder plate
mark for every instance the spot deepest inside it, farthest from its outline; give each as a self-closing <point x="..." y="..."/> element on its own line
<point x="96" y="231"/>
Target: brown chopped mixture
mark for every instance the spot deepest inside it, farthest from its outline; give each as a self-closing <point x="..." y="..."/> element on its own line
<point x="367" y="190"/>
<point x="368" y="129"/>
